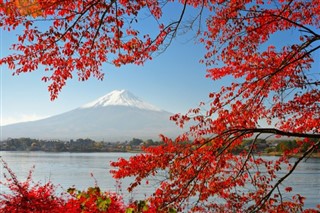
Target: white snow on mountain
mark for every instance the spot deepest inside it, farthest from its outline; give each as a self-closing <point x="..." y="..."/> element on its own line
<point x="120" y="98"/>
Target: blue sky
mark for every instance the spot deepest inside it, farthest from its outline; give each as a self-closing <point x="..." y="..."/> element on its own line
<point x="174" y="81"/>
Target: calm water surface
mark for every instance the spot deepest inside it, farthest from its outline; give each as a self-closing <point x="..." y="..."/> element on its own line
<point x="75" y="169"/>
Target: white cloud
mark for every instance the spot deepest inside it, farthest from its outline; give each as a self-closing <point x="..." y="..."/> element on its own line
<point x="20" y="118"/>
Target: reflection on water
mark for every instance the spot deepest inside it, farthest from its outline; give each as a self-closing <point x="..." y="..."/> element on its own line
<point x="75" y="169"/>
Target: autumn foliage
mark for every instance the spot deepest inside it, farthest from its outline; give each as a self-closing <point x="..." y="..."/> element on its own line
<point x="23" y="196"/>
<point x="31" y="197"/>
<point x="81" y="36"/>
<point x="274" y="89"/>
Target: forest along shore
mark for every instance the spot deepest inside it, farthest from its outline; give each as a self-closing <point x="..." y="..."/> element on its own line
<point x="263" y="147"/>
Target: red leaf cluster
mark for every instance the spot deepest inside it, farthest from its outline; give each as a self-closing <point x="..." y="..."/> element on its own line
<point x="82" y="35"/>
<point x="30" y="197"/>
<point x="272" y="83"/>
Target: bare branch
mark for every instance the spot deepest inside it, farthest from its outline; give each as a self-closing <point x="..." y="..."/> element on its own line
<point x="273" y="131"/>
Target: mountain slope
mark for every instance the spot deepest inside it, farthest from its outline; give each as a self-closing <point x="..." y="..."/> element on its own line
<point x="117" y="116"/>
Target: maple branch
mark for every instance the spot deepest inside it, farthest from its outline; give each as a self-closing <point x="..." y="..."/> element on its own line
<point x="274" y="131"/>
<point x="261" y="14"/>
<point x="76" y="21"/>
<point x="101" y="22"/>
<point x="199" y="16"/>
<point x="316" y="83"/>
<point x="118" y="30"/>
<point x="267" y="196"/>
<point x="270" y="14"/>
<point x="248" y="156"/>
<point x="185" y="187"/>
<point x="281" y="199"/>
<point x="176" y="23"/>
<point x="231" y="140"/>
<point x="295" y="23"/>
<point x="175" y="26"/>
<point x="180" y="19"/>
<point x="286" y="62"/>
<point x="303" y="47"/>
<point x="288" y="59"/>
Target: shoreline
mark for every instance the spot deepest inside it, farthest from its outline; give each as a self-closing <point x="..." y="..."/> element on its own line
<point x="278" y="154"/>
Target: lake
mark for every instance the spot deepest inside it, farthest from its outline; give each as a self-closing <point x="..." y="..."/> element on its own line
<point x="75" y="169"/>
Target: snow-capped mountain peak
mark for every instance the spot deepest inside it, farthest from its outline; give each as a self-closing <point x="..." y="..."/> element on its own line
<point x="120" y="98"/>
<point x="117" y="116"/>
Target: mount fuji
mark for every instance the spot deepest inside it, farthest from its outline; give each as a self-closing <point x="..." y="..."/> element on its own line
<point x="117" y="116"/>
